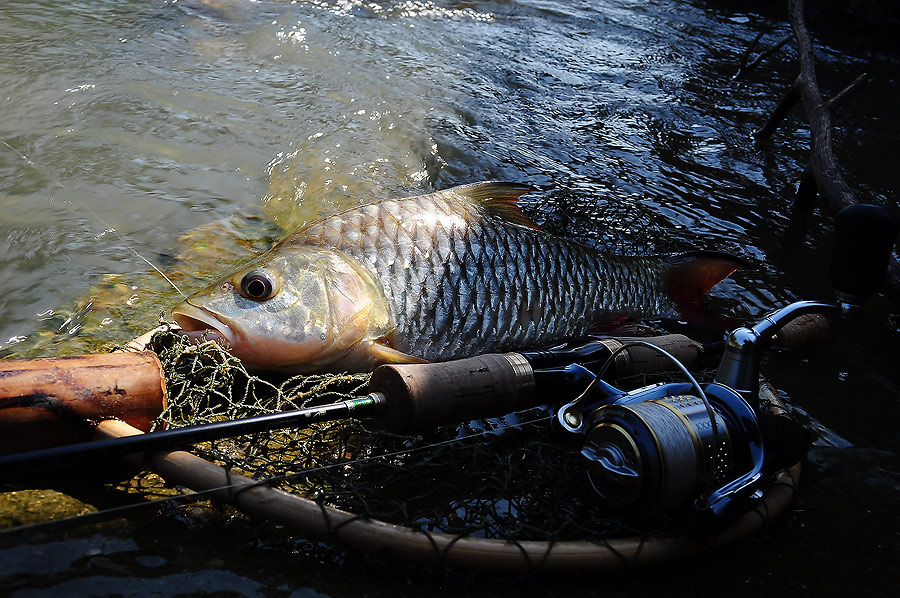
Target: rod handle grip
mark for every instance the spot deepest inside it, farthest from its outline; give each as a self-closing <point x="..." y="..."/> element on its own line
<point x="803" y="331"/>
<point x="642" y="360"/>
<point x="422" y="396"/>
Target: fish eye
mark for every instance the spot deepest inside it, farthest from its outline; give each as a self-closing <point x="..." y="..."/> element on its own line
<point x="257" y="286"/>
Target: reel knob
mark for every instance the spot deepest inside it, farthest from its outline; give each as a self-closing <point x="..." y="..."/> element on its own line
<point x="615" y="469"/>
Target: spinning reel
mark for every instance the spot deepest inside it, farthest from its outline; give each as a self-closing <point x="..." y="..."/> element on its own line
<point x="653" y="450"/>
<point x="683" y="446"/>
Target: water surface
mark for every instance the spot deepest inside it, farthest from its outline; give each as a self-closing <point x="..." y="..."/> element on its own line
<point x="193" y="133"/>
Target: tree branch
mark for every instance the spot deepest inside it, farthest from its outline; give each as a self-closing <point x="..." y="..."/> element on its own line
<point x="823" y="170"/>
<point x="829" y="180"/>
<point x="782" y="109"/>
<point x="744" y="68"/>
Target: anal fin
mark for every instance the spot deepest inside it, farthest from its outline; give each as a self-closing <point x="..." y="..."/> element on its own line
<point x="693" y="275"/>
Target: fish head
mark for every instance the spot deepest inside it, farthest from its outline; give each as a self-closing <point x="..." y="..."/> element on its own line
<point x="300" y="308"/>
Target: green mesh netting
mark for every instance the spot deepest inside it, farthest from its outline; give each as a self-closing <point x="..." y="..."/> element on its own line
<point x="509" y="478"/>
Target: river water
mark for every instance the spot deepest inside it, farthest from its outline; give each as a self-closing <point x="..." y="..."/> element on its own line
<point x="138" y="131"/>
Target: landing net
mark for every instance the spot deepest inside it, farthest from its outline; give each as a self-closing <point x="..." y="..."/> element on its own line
<point x="508" y="478"/>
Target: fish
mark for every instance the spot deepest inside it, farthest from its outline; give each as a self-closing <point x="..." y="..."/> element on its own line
<point x="436" y="277"/>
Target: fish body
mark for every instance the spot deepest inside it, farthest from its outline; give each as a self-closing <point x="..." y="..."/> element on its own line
<point x="435" y="277"/>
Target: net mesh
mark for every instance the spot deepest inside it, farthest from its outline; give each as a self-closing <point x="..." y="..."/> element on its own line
<point x="510" y="478"/>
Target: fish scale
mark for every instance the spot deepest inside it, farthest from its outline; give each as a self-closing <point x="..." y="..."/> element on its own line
<point x="460" y="279"/>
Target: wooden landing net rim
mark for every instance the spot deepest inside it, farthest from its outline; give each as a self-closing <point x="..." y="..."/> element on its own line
<point x="418" y="546"/>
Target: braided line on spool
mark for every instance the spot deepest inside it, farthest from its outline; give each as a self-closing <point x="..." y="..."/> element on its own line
<point x="678" y="456"/>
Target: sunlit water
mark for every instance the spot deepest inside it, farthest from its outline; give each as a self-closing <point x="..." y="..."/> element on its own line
<point x="192" y="134"/>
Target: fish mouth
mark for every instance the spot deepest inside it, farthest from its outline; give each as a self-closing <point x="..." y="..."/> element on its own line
<point x="197" y="323"/>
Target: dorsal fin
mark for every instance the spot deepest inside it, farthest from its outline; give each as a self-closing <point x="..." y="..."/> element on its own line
<point x="499" y="199"/>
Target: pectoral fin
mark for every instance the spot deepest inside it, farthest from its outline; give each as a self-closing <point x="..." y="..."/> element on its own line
<point x="382" y="353"/>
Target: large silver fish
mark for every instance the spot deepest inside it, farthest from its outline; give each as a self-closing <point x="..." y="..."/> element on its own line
<point x="434" y="277"/>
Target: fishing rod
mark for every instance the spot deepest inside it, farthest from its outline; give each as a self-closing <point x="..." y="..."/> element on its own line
<point x="60" y="400"/>
<point x="69" y="396"/>
<point x="56" y="457"/>
<point x="419" y="396"/>
<point x="199" y="494"/>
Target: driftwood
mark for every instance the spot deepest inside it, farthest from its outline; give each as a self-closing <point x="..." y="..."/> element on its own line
<point x="59" y="400"/>
<point x="822" y="176"/>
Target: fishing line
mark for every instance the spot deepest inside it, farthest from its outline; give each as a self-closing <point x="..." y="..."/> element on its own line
<point x="97" y="217"/>
<point x="193" y="496"/>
